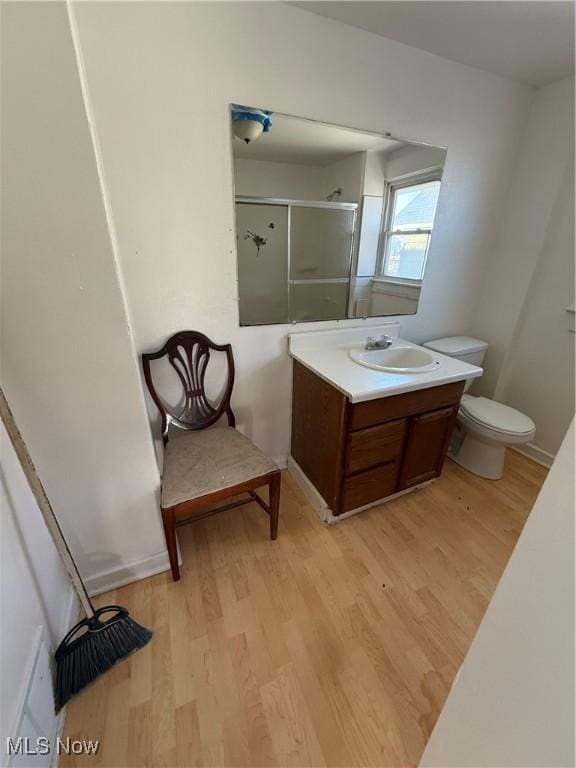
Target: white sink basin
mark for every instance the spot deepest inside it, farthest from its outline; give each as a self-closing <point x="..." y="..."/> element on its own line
<point x="396" y="359"/>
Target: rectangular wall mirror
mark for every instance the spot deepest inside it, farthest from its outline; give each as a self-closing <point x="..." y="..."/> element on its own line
<point x="331" y="223"/>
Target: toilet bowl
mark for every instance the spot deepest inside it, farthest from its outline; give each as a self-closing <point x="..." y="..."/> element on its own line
<point x="484" y="427"/>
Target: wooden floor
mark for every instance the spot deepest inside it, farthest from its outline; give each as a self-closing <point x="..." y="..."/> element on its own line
<point x="335" y="645"/>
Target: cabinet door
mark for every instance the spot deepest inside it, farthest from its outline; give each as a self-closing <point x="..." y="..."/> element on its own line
<point x="428" y="438"/>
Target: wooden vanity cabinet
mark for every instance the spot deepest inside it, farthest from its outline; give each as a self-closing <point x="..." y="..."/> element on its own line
<point x="358" y="453"/>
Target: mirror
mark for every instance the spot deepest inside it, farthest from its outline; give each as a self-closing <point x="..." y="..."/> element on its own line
<point x="331" y="223"/>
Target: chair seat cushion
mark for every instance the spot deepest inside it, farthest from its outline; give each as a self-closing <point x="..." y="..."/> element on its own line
<point x="199" y="463"/>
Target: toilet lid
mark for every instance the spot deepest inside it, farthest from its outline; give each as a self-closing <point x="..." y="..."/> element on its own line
<point x="497" y="416"/>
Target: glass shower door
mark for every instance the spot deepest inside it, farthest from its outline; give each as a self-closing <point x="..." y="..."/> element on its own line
<point x="262" y="232"/>
<point x="321" y="241"/>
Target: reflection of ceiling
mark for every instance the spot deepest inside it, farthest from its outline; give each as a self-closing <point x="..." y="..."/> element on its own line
<point x="532" y="42"/>
<point x="305" y="142"/>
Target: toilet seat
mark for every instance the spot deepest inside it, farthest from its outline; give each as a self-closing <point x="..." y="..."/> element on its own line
<point x="496" y="416"/>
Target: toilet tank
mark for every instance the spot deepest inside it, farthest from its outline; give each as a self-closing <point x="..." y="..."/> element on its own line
<point x="461" y="347"/>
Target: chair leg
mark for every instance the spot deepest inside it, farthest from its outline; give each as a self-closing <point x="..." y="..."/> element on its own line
<point x="274" y="487"/>
<point x="170" y="533"/>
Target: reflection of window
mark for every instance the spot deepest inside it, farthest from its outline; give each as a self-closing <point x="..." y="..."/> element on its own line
<point x="410" y="211"/>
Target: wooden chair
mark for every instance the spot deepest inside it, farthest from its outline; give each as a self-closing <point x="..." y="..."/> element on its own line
<point x="203" y="466"/>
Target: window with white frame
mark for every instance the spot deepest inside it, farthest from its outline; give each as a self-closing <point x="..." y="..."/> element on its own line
<point x="410" y="210"/>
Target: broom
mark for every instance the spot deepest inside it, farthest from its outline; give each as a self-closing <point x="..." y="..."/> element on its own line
<point x="96" y="643"/>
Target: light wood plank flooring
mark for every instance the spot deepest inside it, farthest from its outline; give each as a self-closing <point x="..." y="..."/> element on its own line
<point x="331" y="646"/>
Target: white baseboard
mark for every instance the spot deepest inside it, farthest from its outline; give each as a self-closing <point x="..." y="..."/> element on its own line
<point x="308" y="489"/>
<point x="281" y="461"/>
<point x="127" y="573"/>
<point x="539" y="455"/>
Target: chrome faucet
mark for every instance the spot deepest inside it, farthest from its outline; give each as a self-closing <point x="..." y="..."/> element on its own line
<point x="383" y="342"/>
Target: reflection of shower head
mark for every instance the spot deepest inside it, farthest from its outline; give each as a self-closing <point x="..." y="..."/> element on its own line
<point x="332" y="195"/>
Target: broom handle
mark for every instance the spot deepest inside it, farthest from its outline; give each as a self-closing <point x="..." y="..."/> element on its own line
<point x="45" y="507"/>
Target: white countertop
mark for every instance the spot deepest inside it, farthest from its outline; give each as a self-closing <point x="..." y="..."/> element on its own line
<point x="327" y="354"/>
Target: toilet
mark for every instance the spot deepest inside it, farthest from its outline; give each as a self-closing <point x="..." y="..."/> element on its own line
<point x="485" y="427"/>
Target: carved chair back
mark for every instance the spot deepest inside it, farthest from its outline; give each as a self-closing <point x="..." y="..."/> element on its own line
<point x="188" y="352"/>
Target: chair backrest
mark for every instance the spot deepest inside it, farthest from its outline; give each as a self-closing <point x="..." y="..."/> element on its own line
<point x="189" y="353"/>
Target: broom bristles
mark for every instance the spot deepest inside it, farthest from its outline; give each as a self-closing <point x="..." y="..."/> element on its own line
<point x="92" y="654"/>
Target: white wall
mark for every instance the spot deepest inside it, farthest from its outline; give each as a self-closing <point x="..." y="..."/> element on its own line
<point x="68" y="364"/>
<point x="261" y="178"/>
<point x="374" y="173"/>
<point x="346" y="174"/>
<point x="538" y="375"/>
<point x="35" y="594"/>
<point x="170" y="172"/>
<point x="408" y="159"/>
<point x="512" y="703"/>
<point x="529" y="277"/>
<point x="370" y="213"/>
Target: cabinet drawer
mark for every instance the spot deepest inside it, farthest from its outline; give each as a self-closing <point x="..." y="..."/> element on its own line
<point x="375" y="445"/>
<point x="369" y="486"/>
<point x="388" y="408"/>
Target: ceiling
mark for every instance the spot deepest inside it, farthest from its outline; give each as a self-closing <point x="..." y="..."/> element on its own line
<point x="524" y="40"/>
<point x="306" y="142"/>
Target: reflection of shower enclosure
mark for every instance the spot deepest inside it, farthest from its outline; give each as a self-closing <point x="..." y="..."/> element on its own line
<point x="262" y="272"/>
<point x="294" y="259"/>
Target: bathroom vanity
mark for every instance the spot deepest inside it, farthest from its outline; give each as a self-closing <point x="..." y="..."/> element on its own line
<point x="361" y="434"/>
